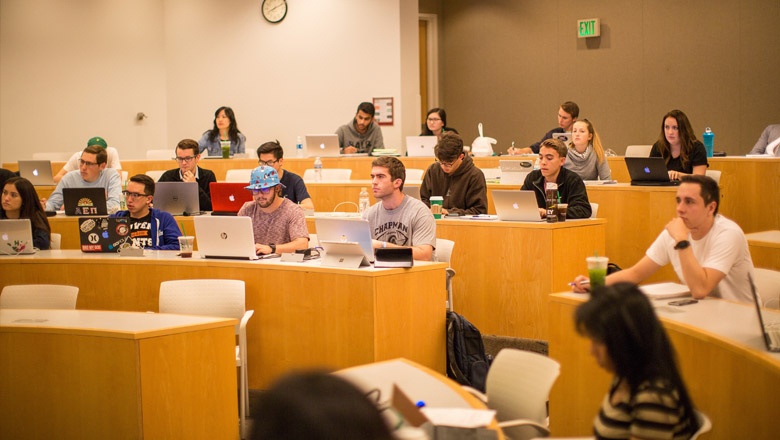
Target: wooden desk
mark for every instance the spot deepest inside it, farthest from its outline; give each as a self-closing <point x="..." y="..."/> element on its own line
<point x="729" y="374"/>
<point x="505" y="270"/>
<point x="305" y="315"/>
<point x="75" y="374"/>
<point x="765" y="249"/>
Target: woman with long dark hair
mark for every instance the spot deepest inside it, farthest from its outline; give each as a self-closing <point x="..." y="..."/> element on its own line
<point x="20" y="200"/>
<point x="225" y="129"/>
<point x="436" y="123"/>
<point x="677" y="144"/>
<point x="647" y="398"/>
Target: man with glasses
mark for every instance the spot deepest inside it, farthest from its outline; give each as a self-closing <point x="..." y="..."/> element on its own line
<point x="188" y="156"/>
<point x="92" y="173"/>
<point x="73" y="163"/>
<point x="271" y="154"/>
<point x="149" y="228"/>
<point x="279" y="225"/>
<point x="454" y="177"/>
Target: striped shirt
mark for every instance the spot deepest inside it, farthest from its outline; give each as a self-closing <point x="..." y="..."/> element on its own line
<point x="654" y="411"/>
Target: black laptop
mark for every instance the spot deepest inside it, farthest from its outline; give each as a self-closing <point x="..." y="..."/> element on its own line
<point x="84" y="201"/>
<point x="104" y="234"/>
<point x="649" y="171"/>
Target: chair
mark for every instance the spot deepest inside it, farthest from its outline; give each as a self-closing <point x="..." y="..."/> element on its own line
<point x="159" y="154"/>
<point x="594" y="209"/>
<point x="155" y="174"/>
<point x="242" y="175"/>
<point x="715" y="174"/>
<point x="223" y="298"/>
<point x="768" y="287"/>
<point x="414" y="175"/>
<point x="444" y="255"/>
<point x="491" y="173"/>
<point x="638" y="150"/>
<point x="53" y="157"/>
<point x="39" y="296"/>
<point x="518" y="386"/>
<point x="704" y="424"/>
<point x="55" y="241"/>
<point x="328" y="174"/>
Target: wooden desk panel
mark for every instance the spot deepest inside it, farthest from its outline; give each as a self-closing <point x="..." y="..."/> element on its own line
<point x="765" y="249"/>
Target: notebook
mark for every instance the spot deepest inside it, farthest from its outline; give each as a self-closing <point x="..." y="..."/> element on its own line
<point x="519" y="206"/>
<point x="322" y="145"/>
<point x="420" y="146"/>
<point x="649" y="171"/>
<point x="225" y="237"/>
<point x="228" y="197"/>
<point x="38" y="172"/>
<point x="665" y="290"/>
<point x="84" y="201"/>
<point x="16" y="237"/>
<point x="770" y="332"/>
<point x="104" y="234"/>
<point x="177" y="198"/>
<point x="343" y="230"/>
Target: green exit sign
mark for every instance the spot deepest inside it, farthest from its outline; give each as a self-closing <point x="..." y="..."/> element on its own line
<point x="590" y="27"/>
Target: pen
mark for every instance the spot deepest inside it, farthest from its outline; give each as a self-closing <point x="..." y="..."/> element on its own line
<point x="584" y="283"/>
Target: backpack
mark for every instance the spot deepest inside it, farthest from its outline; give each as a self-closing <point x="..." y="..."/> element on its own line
<point x="467" y="363"/>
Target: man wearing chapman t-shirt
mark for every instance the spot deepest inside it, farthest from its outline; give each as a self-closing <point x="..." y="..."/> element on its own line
<point x="398" y="220"/>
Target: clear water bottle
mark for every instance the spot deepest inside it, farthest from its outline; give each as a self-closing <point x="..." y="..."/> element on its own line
<point x="363" y="202"/>
<point x="709" y="141"/>
<point x="318" y="170"/>
<point x="299" y="148"/>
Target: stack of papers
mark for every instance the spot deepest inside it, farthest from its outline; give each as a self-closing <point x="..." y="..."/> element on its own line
<point x="385" y="152"/>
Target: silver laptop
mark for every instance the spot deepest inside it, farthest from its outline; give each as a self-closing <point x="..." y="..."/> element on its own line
<point x="563" y="137"/>
<point x="345" y="230"/>
<point x="177" y="198"/>
<point x="514" y="172"/>
<point x="516" y="206"/>
<point x="322" y="145"/>
<point x="225" y="237"/>
<point x="16" y="237"/>
<point x="420" y="146"/>
<point x="38" y="172"/>
<point x="412" y="191"/>
<point x="771" y="331"/>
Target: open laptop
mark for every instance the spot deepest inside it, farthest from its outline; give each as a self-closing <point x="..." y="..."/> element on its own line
<point x="345" y="230"/>
<point x="770" y="332"/>
<point x="563" y="137"/>
<point x="177" y="198"/>
<point x="228" y="197"/>
<point x="322" y="145"/>
<point x="225" y="237"/>
<point x="514" y="171"/>
<point x="16" y="237"/>
<point x="516" y="206"/>
<point x="104" y="234"/>
<point x="420" y="146"/>
<point x="84" y="201"/>
<point x="38" y="172"/>
<point x="649" y="171"/>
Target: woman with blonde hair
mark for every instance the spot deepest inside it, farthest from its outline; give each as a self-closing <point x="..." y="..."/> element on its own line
<point x="586" y="155"/>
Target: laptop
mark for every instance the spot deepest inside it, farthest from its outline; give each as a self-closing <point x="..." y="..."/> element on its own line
<point x="225" y="237"/>
<point x="345" y="230"/>
<point x="322" y="145"/>
<point x="16" y="237"/>
<point x="649" y="171"/>
<point x="516" y="206"/>
<point x="38" y="172"/>
<point x="563" y="137"/>
<point x="412" y="191"/>
<point x="84" y="201"/>
<point x="514" y="172"/>
<point x="420" y="146"/>
<point x="104" y="234"/>
<point x="177" y="198"/>
<point x="228" y="197"/>
<point x="770" y="332"/>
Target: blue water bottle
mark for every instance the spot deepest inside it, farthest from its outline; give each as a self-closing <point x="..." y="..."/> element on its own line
<point x="709" y="139"/>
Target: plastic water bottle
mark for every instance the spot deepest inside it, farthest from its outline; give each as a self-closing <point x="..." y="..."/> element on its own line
<point x="318" y="170"/>
<point x="299" y="148"/>
<point x="363" y="202"/>
<point x="709" y="141"/>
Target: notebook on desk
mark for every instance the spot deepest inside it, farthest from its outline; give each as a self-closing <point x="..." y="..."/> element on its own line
<point x="225" y="237"/>
<point x="649" y="171"/>
<point x="770" y="332"/>
<point x="322" y="145"/>
<point x="228" y="197"/>
<point x="16" y="237"/>
<point x="518" y="206"/>
<point x="38" y="172"/>
<point x="84" y="201"/>
<point x="177" y="198"/>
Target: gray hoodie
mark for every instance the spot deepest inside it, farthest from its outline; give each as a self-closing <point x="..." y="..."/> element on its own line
<point x="365" y="143"/>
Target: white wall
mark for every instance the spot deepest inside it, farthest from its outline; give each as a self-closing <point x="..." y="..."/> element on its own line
<point x="71" y="70"/>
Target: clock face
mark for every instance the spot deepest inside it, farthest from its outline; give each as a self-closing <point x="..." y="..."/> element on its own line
<point x="274" y="10"/>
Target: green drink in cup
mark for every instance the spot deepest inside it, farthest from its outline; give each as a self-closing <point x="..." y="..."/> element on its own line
<point x="597" y="270"/>
<point x="225" y="149"/>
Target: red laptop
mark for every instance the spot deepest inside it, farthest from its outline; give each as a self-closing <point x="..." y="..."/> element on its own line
<point x="228" y="197"/>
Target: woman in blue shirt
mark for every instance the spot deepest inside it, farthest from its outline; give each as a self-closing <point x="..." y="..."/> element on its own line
<point x="225" y="129"/>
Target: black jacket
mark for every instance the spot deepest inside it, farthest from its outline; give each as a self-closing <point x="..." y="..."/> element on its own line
<point x="204" y="178"/>
<point x="570" y="186"/>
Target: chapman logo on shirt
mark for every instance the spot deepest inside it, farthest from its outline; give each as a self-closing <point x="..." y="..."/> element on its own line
<point x="393" y="232"/>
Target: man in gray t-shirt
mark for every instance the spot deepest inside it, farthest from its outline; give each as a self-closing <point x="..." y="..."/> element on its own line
<point x="398" y="220"/>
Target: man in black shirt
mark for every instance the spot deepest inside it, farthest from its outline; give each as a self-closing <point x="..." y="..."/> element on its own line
<point x="271" y="154"/>
<point x="188" y="155"/>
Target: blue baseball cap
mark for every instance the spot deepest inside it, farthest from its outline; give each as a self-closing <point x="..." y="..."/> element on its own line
<point x="263" y="177"/>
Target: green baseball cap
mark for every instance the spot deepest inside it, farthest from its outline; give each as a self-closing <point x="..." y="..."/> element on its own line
<point x="97" y="140"/>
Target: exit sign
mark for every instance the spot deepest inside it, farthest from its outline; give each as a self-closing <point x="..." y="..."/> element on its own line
<point x="590" y="27"/>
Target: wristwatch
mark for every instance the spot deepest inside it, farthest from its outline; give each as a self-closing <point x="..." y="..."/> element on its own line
<point x="682" y="244"/>
<point x="273" y="247"/>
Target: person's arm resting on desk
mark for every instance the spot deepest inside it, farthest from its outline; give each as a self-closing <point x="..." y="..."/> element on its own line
<point x="700" y="280"/>
<point x="285" y="248"/>
<point x="422" y="252"/>
<point x="634" y="274"/>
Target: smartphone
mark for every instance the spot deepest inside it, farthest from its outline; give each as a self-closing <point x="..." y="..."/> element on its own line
<point x="683" y="302"/>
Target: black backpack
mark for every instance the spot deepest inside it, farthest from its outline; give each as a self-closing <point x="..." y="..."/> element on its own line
<point x="467" y="363"/>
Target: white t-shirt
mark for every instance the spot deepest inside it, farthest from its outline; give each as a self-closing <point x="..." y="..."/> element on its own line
<point x="112" y="162"/>
<point x="724" y="248"/>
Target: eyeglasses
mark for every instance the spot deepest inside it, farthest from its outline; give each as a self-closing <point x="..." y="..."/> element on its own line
<point x="434" y="119"/>
<point x="89" y="164"/>
<point x="449" y="164"/>
<point x="134" y="195"/>
<point x="268" y="163"/>
<point x="185" y="159"/>
<point x="262" y="190"/>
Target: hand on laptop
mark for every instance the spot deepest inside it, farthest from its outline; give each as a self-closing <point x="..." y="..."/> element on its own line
<point x="262" y="249"/>
<point x="675" y="175"/>
<point x="349" y="150"/>
<point x="543" y="212"/>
